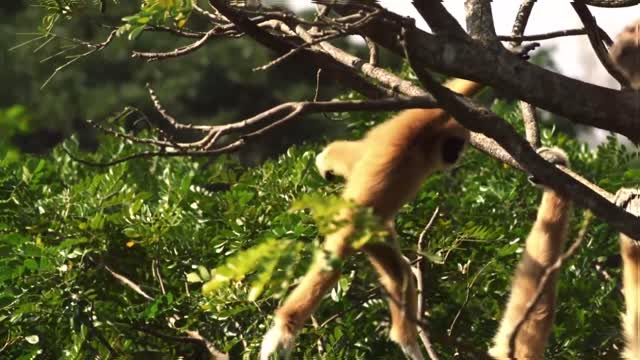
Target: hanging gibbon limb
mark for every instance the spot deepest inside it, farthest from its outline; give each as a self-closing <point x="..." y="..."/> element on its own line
<point x="630" y="251"/>
<point x="383" y="171"/>
<point x="625" y="53"/>
<point x="543" y="247"/>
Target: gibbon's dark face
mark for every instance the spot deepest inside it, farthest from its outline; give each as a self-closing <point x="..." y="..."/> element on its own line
<point x="451" y="149"/>
<point x="330" y="176"/>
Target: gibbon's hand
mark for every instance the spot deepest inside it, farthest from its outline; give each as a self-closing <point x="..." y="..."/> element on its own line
<point x="554" y="155"/>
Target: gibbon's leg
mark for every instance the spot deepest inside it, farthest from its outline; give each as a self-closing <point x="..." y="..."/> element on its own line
<point x="304" y="299"/>
<point x="396" y="277"/>
<point x="630" y="251"/>
<point x="542" y="248"/>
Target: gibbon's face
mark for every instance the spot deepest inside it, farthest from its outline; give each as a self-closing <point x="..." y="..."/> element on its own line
<point x="626" y="53"/>
<point x="449" y="142"/>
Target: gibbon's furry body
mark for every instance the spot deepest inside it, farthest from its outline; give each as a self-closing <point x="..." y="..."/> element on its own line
<point x="542" y="248"/>
<point x="625" y="53"/>
<point x="383" y="171"/>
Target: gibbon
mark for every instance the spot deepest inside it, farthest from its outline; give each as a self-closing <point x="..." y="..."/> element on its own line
<point x="625" y="53"/>
<point x="630" y="251"/>
<point x="383" y="171"/>
<point x="542" y="248"/>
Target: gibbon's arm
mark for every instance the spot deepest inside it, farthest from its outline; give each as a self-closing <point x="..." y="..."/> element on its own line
<point x="625" y="53"/>
<point x="398" y="156"/>
<point x="338" y="158"/>
<point x="542" y="248"/>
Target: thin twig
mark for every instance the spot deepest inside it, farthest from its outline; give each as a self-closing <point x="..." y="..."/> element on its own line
<point x="418" y="272"/>
<point x="155" y="270"/>
<point x="193" y="337"/>
<point x="128" y="283"/>
<point x="466" y="298"/>
<point x="543" y="36"/>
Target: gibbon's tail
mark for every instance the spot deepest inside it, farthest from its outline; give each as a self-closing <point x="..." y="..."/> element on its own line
<point x="463" y="87"/>
<point x="630" y="250"/>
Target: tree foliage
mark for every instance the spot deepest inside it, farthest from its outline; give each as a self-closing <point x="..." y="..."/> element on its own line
<point x="69" y="232"/>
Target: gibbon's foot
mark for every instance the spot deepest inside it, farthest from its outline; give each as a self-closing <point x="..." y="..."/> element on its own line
<point x="625" y="195"/>
<point x="553" y="155"/>
<point x="412" y="351"/>
<point x="278" y="340"/>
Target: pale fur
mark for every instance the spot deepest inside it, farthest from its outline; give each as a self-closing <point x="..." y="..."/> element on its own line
<point x="542" y="248"/>
<point x="383" y="171"/>
<point x="625" y="53"/>
<point x="630" y="251"/>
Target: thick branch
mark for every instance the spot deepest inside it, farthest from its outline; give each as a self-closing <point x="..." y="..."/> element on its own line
<point x="593" y="31"/>
<point x="484" y="121"/>
<point x="438" y="18"/>
<point x="480" y="23"/>
<point x="590" y="104"/>
<point x="611" y="3"/>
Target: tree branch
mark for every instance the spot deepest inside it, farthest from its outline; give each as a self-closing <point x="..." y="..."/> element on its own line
<point x="594" y="33"/>
<point x="484" y="121"/>
<point x="590" y="104"/>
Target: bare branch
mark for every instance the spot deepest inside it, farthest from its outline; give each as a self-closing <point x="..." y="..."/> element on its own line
<point x="594" y="33"/>
<point x="591" y="105"/>
<point x="153" y="56"/>
<point x="418" y="268"/>
<point x="193" y="337"/>
<point x="528" y="111"/>
<point x="128" y="283"/>
<point x="545" y="36"/>
<point x="482" y="120"/>
<point x="530" y="119"/>
<point x="480" y="25"/>
<point x="611" y="3"/>
<point x="521" y="21"/>
<point x="438" y="18"/>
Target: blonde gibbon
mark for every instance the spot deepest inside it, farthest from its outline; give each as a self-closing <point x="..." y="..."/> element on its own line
<point x="625" y="53"/>
<point x="542" y="248"/>
<point x="383" y="171"/>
